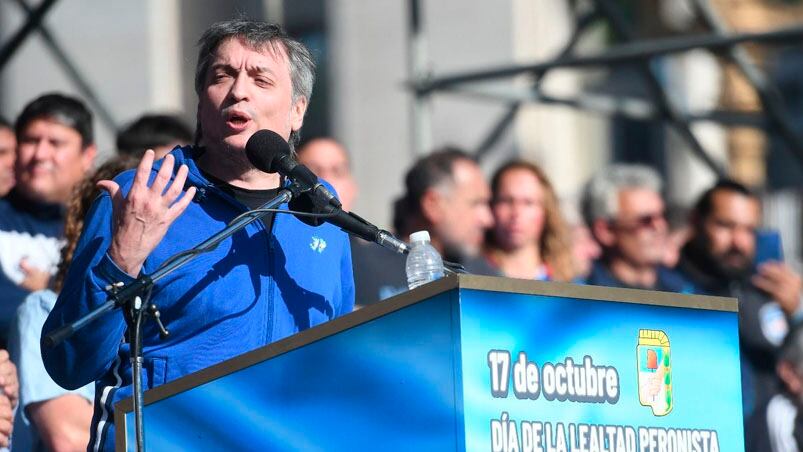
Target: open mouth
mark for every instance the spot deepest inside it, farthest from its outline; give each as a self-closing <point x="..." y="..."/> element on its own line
<point x="237" y="120"/>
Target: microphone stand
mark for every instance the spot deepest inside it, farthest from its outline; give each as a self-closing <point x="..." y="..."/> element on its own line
<point x="135" y="298"/>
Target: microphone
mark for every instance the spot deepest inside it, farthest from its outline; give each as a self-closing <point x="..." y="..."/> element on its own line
<point x="347" y="221"/>
<point x="269" y="152"/>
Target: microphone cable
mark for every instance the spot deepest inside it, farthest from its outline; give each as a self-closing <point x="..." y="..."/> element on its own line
<point x="250" y="213"/>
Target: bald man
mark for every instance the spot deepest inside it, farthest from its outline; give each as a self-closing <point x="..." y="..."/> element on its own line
<point x="329" y="160"/>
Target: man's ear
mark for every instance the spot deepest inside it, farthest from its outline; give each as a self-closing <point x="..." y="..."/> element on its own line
<point x="297" y="111"/>
<point x="601" y="230"/>
<point x="88" y="157"/>
<point x="431" y="208"/>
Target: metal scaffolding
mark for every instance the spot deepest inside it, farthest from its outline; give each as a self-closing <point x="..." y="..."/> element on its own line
<point x="34" y="22"/>
<point x="629" y="51"/>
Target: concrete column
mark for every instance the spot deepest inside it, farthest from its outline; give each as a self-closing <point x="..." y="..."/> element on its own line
<point x="694" y="81"/>
<point x="109" y="51"/>
<point x="567" y="143"/>
<point x="165" y="55"/>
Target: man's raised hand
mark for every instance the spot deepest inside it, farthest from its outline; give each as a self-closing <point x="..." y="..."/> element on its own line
<point x="141" y="219"/>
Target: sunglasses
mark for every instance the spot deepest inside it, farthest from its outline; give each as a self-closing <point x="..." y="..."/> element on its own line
<point x="646" y="221"/>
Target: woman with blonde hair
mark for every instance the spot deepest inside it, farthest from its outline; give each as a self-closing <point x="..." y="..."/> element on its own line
<point x="530" y="238"/>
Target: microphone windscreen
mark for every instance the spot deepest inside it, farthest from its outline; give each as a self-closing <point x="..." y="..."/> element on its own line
<point x="263" y="149"/>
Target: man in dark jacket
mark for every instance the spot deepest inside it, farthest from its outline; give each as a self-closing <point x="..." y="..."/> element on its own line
<point x="719" y="260"/>
<point x="446" y="194"/>
<point x="624" y="210"/>
<point x="777" y="425"/>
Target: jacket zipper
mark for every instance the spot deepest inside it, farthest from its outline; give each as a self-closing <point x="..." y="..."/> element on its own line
<point x="268" y="293"/>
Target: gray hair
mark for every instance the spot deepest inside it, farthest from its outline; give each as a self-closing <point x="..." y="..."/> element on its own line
<point x="258" y="35"/>
<point x="601" y="194"/>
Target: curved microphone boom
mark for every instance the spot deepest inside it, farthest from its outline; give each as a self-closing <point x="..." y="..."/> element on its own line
<point x="347" y="221"/>
<point x="269" y="152"/>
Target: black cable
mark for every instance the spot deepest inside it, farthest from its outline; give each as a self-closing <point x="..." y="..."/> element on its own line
<point x="294" y="212"/>
<point x="454" y="268"/>
<point x="214" y="245"/>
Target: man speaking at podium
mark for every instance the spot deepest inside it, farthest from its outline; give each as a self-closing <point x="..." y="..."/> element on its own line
<point x="267" y="281"/>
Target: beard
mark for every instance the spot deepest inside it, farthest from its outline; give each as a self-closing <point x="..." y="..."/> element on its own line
<point x="735" y="262"/>
<point x="731" y="265"/>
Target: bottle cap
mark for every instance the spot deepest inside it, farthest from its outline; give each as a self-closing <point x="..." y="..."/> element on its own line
<point x="419" y="236"/>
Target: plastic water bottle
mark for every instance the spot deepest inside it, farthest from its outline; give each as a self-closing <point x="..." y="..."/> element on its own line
<point x="424" y="264"/>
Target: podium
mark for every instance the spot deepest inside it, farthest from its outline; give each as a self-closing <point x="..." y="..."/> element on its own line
<point x="473" y="363"/>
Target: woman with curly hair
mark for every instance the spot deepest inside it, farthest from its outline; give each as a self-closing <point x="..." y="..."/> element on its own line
<point x="83" y="196"/>
<point x="530" y="238"/>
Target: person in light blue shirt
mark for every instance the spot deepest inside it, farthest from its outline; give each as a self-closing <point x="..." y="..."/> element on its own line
<point x="51" y="417"/>
<point x="41" y="399"/>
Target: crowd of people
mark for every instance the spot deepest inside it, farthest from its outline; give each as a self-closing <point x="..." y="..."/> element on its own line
<point x="67" y="228"/>
<point x="49" y="184"/>
<point x="515" y="227"/>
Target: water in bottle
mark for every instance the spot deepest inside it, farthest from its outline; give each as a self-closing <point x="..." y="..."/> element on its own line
<point x="424" y="264"/>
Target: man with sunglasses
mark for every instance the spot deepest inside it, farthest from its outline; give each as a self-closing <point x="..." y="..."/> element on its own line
<point x="720" y="260"/>
<point x="625" y="211"/>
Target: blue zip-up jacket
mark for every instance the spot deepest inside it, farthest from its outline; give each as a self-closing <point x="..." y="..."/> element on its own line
<point x="256" y="287"/>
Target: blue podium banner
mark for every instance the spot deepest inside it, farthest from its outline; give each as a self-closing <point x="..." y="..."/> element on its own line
<point x="363" y="388"/>
<point x="478" y="364"/>
<point x="543" y="373"/>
